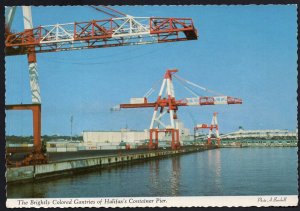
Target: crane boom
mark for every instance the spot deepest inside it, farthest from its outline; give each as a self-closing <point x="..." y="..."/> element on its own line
<point x="200" y="101"/>
<point x="120" y="31"/>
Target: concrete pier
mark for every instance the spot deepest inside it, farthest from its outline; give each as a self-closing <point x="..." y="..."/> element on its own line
<point x="69" y="167"/>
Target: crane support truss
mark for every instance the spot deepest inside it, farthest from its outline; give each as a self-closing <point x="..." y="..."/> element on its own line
<point x="112" y="32"/>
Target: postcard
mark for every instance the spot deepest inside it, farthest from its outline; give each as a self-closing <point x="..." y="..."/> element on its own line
<point x="151" y="106"/>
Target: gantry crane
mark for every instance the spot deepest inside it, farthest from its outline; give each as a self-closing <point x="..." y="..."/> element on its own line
<point x="213" y="126"/>
<point x="167" y="103"/>
<point x="119" y="30"/>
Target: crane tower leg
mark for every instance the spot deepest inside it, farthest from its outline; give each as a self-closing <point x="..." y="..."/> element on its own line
<point x="155" y="111"/>
<point x="173" y="143"/>
<point x="177" y="138"/>
<point x="208" y="141"/>
<point x="170" y="95"/>
<point x="210" y="133"/>
<point x="156" y="139"/>
<point x="217" y="129"/>
<point x="155" y="144"/>
<point x="31" y="56"/>
<point x="9" y="15"/>
<point x="150" y="139"/>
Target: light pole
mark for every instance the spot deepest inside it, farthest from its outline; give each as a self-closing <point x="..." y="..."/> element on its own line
<point x="71" y="126"/>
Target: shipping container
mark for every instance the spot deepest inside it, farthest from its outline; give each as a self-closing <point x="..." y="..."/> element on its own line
<point x="135" y="100"/>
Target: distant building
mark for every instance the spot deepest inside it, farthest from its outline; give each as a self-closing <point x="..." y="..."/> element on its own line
<point x="128" y="136"/>
<point x="182" y="130"/>
<point x="262" y="134"/>
<point x="124" y="135"/>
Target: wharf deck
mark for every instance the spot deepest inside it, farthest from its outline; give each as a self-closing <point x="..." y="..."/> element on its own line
<point x="70" y="165"/>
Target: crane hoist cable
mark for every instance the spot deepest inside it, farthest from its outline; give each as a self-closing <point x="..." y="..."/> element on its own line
<point x="188" y="89"/>
<point x="196" y="85"/>
<point x="116" y="11"/>
<point x="130" y="57"/>
<point x="108" y="13"/>
<point x="152" y="89"/>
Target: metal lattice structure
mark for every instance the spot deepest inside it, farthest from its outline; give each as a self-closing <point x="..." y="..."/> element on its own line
<point x="213" y="126"/>
<point x="166" y="104"/>
<point x="120" y="31"/>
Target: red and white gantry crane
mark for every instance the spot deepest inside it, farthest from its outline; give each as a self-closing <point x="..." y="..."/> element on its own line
<point x="166" y="103"/>
<point x="213" y="126"/>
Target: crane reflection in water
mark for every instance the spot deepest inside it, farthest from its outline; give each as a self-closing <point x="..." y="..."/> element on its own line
<point x="169" y="178"/>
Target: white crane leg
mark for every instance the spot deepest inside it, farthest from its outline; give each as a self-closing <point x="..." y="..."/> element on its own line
<point x="162" y="87"/>
<point x="153" y="119"/>
<point x="9" y="15"/>
<point x="33" y="71"/>
<point x="171" y="119"/>
<point x="217" y="126"/>
<point x="34" y="83"/>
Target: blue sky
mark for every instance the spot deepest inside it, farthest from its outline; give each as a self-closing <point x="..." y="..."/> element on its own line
<point x="242" y="51"/>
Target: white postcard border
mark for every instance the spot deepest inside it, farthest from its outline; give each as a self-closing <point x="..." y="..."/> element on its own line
<point x="192" y="201"/>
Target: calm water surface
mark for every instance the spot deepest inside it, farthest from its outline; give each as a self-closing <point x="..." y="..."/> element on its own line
<point x="226" y="171"/>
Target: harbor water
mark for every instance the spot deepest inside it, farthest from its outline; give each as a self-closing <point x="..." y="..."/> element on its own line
<point x="218" y="172"/>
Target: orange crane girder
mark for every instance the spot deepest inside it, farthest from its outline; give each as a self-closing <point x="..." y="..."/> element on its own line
<point x="36" y="156"/>
<point x="97" y="34"/>
<point x="36" y="114"/>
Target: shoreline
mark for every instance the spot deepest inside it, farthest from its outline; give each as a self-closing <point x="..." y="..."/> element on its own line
<point x="15" y="175"/>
